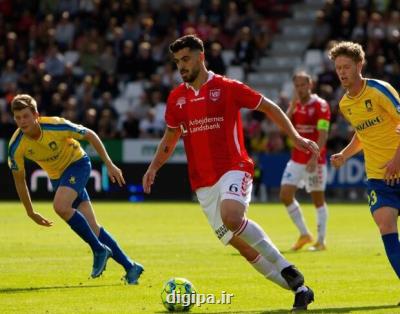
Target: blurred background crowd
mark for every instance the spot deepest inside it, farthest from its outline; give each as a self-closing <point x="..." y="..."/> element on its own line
<point x="105" y="63"/>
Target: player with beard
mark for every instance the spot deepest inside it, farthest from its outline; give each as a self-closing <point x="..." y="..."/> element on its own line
<point x="205" y="112"/>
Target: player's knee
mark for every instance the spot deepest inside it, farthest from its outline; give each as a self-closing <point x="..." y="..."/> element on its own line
<point x="319" y="204"/>
<point x="285" y="197"/>
<point x="231" y="220"/>
<point x="62" y="209"/>
<point x="232" y="214"/>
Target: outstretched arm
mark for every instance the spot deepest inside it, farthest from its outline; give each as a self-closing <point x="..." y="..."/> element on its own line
<point x="337" y="160"/>
<point x="276" y="114"/>
<point x="114" y="172"/>
<point x="164" y="151"/>
<point x="24" y="196"/>
<point x="322" y="138"/>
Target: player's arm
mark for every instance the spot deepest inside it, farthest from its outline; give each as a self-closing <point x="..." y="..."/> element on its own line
<point x="323" y="128"/>
<point x="24" y="196"/>
<point x="354" y="147"/>
<point x="164" y="150"/>
<point x="114" y="172"/>
<point x="276" y="114"/>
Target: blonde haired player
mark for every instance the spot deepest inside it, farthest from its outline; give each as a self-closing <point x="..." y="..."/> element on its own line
<point x="52" y="143"/>
<point x="373" y="109"/>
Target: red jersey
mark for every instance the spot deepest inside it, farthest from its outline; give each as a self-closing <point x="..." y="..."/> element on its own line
<point x="305" y="118"/>
<point x="211" y="127"/>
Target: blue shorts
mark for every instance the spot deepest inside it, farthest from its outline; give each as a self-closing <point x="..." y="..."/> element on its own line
<point x="380" y="194"/>
<point x="75" y="177"/>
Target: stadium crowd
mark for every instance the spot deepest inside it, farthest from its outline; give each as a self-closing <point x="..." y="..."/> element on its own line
<point x="105" y="63"/>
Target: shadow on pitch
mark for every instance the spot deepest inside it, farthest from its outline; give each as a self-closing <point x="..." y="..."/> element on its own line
<point x="310" y="311"/>
<point x="289" y="252"/>
<point x="30" y="289"/>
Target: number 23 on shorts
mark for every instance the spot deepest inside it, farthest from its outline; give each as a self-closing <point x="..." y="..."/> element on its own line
<point x="372" y="198"/>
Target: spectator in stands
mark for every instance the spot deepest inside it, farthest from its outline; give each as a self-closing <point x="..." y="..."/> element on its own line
<point x="126" y="64"/>
<point x="8" y="75"/>
<point x="107" y="125"/>
<point x="90" y="119"/>
<point x="321" y="32"/>
<point x="145" y="64"/>
<point x="54" y="62"/>
<point x="244" y="49"/>
<point x="149" y="126"/>
<point x="130" y="126"/>
<point x="56" y="106"/>
<point x="232" y="19"/>
<point x="106" y="103"/>
<point x="65" y="32"/>
<point x="215" y="62"/>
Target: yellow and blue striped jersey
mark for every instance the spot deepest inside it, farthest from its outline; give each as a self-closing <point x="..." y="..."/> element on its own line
<point x="374" y="114"/>
<point x="54" y="151"/>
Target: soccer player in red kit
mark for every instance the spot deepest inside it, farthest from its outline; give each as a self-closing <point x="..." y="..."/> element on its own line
<point x="310" y="116"/>
<point x="204" y="110"/>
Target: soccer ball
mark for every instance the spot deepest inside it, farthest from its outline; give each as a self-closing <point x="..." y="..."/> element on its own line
<point x="178" y="295"/>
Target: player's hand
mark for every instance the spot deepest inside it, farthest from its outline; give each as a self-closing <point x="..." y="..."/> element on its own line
<point x="312" y="164"/>
<point x="307" y="145"/>
<point x="337" y="160"/>
<point x="398" y="129"/>
<point x="115" y="174"/>
<point x="40" y="220"/>
<point x="392" y="173"/>
<point x="148" y="180"/>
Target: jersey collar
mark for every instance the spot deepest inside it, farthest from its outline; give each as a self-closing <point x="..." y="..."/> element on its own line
<point x="361" y="91"/>
<point x="313" y="98"/>
<point x="209" y="78"/>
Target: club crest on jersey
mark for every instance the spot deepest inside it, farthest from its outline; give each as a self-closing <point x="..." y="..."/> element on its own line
<point x="180" y="102"/>
<point x="53" y="146"/>
<point x="368" y="105"/>
<point x="215" y="94"/>
<point x="311" y="111"/>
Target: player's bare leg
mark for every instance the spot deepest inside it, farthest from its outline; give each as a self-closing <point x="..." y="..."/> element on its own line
<point x="318" y="198"/>
<point x="287" y="196"/>
<point x="62" y="204"/>
<point x="133" y="269"/>
<point x="263" y="266"/>
<point x="386" y="220"/>
<point x="233" y="217"/>
<point x="63" y="200"/>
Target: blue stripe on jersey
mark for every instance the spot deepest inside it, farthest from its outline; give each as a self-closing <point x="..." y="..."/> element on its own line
<point x="14" y="144"/>
<point x="58" y="127"/>
<point x="383" y="89"/>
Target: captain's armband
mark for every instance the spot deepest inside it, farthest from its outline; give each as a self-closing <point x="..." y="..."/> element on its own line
<point x="323" y="125"/>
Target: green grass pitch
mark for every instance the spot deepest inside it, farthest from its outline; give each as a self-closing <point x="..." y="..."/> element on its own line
<point x="46" y="270"/>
